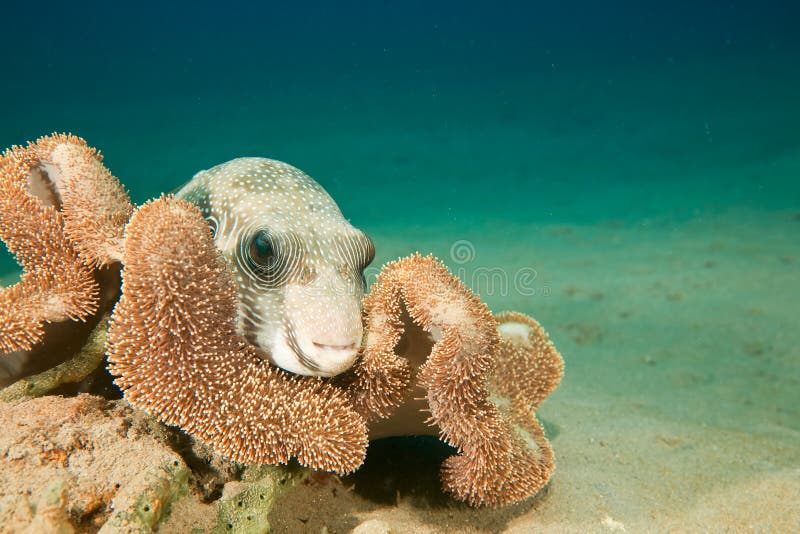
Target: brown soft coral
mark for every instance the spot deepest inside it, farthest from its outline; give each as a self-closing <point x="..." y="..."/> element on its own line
<point x="94" y="204"/>
<point x="174" y="346"/>
<point x="176" y="352"/>
<point x="525" y="370"/>
<point x="481" y="390"/>
<point x="435" y="360"/>
<point x="55" y="284"/>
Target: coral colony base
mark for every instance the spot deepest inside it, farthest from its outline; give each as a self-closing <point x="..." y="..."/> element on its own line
<point x="188" y="342"/>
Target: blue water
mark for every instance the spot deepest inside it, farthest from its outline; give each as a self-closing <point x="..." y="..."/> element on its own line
<point x="530" y="111"/>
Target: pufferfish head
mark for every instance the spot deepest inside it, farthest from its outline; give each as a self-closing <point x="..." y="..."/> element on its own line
<point x="298" y="263"/>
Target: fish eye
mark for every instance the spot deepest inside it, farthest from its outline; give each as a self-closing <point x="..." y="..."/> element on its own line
<point x="270" y="259"/>
<point x="262" y="252"/>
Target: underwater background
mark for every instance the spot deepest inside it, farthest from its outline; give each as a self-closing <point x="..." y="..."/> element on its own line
<point x="626" y="172"/>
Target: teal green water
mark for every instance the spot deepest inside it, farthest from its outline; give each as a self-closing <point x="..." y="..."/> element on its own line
<point x="569" y="143"/>
<point x="528" y="114"/>
<point x="631" y="172"/>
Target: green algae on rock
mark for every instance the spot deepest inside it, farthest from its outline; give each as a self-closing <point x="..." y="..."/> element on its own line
<point x="77" y="368"/>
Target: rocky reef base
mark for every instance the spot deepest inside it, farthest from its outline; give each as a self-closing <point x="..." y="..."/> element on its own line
<point x="86" y="464"/>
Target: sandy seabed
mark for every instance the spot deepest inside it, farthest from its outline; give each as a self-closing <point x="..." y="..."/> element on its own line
<point x="679" y="411"/>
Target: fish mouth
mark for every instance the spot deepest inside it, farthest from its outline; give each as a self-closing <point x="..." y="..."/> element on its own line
<point x="324" y="346"/>
<point x="324" y="359"/>
<point x="286" y="351"/>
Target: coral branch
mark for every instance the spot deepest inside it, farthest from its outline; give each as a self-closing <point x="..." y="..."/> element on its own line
<point x="379" y="381"/>
<point x="55" y="284"/>
<point x="454" y="374"/>
<point x="174" y="347"/>
<point x="503" y="456"/>
<point x="525" y="370"/>
<point x="527" y="367"/>
<point x="94" y="204"/>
